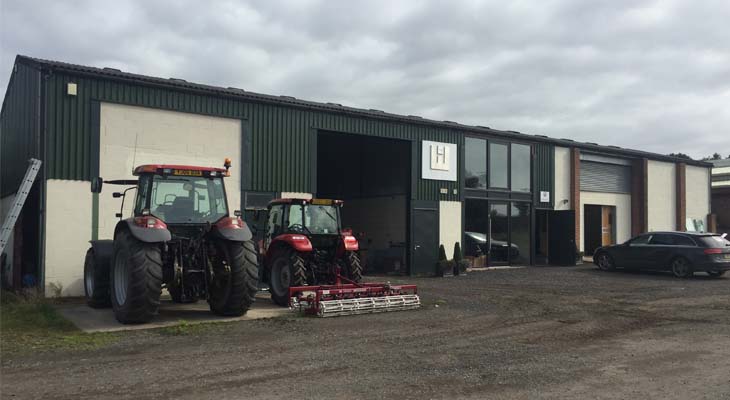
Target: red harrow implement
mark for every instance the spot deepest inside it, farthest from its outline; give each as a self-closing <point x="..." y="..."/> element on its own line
<point x="352" y="298"/>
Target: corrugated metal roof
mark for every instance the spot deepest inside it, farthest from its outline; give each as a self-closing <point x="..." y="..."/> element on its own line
<point x="115" y="74"/>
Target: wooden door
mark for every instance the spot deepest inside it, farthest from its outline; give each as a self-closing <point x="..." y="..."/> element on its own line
<point x="607" y="214"/>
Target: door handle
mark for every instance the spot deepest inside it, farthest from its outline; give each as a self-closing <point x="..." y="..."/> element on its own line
<point x="416" y="247"/>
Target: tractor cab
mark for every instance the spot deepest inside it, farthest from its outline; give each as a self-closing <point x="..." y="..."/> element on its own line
<point x="178" y="194"/>
<point x="317" y="219"/>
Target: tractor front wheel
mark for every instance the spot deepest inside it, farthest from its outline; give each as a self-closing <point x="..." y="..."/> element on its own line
<point x="353" y="269"/>
<point x="235" y="279"/>
<point x="136" y="277"/>
<point x="287" y="270"/>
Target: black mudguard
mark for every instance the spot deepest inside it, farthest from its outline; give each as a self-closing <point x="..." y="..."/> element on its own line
<point x="103" y="250"/>
<point x="242" y="234"/>
<point x="146" y="235"/>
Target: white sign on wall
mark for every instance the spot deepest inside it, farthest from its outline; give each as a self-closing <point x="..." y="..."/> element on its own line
<point x="544" y="197"/>
<point x="439" y="161"/>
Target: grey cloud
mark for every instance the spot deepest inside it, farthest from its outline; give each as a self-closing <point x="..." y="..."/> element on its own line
<point x="642" y="74"/>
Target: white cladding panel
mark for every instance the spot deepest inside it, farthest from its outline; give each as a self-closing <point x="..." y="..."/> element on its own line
<point x="662" y="193"/>
<point x="68" y="231"/>
<point x="562" y="178"/>
<point x="621" y="201"/>
<point x="450" y="225"/>
<point x="698" y="193"/>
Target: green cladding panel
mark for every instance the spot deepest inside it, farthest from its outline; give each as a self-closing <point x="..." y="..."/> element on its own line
<point x="279" y="151"/>
<point x="544" y="173"/>
<point x="19" y="127"/>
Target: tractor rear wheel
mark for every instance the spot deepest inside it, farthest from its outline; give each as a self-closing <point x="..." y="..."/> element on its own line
<point x="353" y="269"/>
<point x="235" y="280"/>
<point x="136" y="277"/>
<point x="287" y="270"/>
<point x="96" y="282"/>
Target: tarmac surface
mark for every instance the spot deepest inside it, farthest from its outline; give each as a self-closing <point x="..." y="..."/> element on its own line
<point x="558" y="333"/>
<point x="92" y="320"/>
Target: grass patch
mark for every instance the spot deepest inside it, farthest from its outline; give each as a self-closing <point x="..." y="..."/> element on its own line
<point x="29" y="322"/>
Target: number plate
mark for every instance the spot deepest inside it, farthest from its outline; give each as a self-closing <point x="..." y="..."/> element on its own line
<point x="187" y="172"/>
<point x="726" y="256"/>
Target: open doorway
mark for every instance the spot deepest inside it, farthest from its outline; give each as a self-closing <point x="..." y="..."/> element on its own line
<point x="372" y="176"/>
<point x="541" y="237"/>
<point x="599" y="224"/>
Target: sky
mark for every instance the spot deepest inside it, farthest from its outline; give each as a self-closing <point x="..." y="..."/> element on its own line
<point x="649" y="75"/>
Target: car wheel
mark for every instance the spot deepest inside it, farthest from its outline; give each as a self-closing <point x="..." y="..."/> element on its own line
<point x="681" y="268"/>
<point x="605" y="262"/>
<point x="716" y="274"/>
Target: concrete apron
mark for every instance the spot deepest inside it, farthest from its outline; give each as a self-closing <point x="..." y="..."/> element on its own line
<point x="92" y="320"/>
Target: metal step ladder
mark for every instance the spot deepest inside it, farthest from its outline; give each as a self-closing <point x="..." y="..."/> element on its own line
<point x="12" y="217"/>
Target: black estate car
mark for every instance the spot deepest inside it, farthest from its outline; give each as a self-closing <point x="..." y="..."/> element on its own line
<point x="682" y="253"/>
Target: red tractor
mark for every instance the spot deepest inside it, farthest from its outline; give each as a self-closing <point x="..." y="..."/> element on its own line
<point x="312" y="263"/>
<point x="181" y="237"/>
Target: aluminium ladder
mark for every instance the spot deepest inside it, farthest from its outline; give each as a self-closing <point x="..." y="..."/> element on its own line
<point x="25" y="185"/>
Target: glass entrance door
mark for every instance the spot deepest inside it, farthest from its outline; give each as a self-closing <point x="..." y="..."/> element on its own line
<point x="499" y="243"/>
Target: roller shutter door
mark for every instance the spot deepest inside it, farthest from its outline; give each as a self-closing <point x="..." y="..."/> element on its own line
<point x="602" y="177"/>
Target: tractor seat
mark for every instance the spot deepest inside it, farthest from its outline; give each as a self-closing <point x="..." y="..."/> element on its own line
<point x="180" y="209"/>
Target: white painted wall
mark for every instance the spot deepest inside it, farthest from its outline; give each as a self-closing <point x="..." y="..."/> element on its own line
<point x="662" y="196"/>
<point x="450" y="225"/>
<point x="5" y="204"/>
<point x="68" y="230"/>
<point x="562" y="179"/>
<point x="295" y="195"/>
<point x="622" y="202"/>
<point x="698" y="193"/>
<point x="162" y="137"/>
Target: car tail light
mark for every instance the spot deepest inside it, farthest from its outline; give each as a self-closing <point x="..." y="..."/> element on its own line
<point x="149" y="222"/>
<point x="713" y="251"/>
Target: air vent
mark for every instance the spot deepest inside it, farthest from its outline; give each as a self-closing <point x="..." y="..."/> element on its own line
<point x="449" y="122"/>
<point x="334" y="104"/>
<point x="482" y="126"/>
<point x="178" y="80"/>
<point x="595" y="144"/>
<point x="288" y="97"/>
<point x="415" y="116"/>
<point x="112" y="69"/>
<point x="236" y="89"/>
<point x="377" y="111"/>
<point x="567" y="140"/>
<point x="541" y="136"/>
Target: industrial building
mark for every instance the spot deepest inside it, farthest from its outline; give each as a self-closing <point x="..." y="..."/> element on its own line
<point x="721" y="194"/>
<point x="409" y="183"/>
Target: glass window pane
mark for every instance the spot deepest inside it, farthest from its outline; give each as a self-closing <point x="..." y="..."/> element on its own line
<point x="520" y="167"/>
<point x="498" y="165"/>
<point x="499" y="248"/>
<point x="476" y="223"/>
<point x="476" y="163"/>
<point x="520" y="224"/>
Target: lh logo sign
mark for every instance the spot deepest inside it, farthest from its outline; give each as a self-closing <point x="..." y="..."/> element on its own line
<point x="439" y="157"/>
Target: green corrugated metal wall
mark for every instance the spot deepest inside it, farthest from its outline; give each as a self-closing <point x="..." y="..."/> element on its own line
<point x="544" y="173"/>
<point x="18" y="127"/>
<point x="279" y="134"/>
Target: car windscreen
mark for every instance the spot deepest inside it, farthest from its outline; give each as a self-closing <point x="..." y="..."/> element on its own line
<point x="714" y="241"/>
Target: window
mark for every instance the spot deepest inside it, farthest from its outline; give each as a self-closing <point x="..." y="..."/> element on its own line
<point x="185" y="199"/>
<point x="640" y="240"/>
<point x="275" y="220"/>
<point x="498" y="177"/>
<point x="683" y="241"/>
<point x="662" y="239"/>
<point x="475" y="152"/>
<point x="520" y="167"/>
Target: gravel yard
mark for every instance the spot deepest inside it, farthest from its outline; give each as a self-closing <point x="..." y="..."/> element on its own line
<point x="567" y="333"/>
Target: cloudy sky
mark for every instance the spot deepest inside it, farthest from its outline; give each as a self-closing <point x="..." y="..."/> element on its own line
<point x="653" y="75"/>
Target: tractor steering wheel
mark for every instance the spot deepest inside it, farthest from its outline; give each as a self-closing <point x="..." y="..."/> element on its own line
<point x="299" y="228"/>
